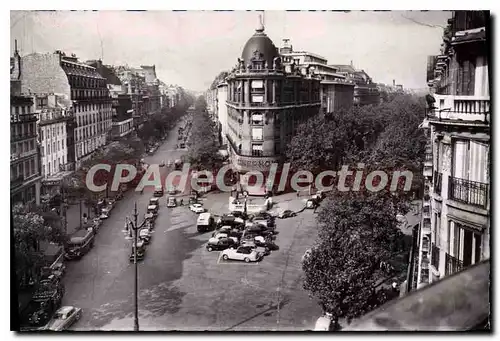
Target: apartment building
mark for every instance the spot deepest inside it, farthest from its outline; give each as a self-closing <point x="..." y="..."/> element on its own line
<point x="265" y="103"/>
<point x="64" y="75"/>
<point x="336" y="91"/>
<point x="455" y="227"/>
<point x="25" y="177"/>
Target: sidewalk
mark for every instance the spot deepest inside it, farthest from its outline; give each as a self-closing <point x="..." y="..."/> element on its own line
<point x="73" y="217"/>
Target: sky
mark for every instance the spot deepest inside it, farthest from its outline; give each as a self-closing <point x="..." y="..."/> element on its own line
<point x="190" y="48"/>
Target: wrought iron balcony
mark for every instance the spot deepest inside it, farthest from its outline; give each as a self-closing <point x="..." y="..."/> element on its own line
<point x="457" y="303"/>
<point x="467" y="191"/>
<point x="453" y="265"/>
<point x="438" y="179"/>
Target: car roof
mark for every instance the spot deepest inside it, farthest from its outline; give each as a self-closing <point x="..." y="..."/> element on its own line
<point x="64" y="310"/>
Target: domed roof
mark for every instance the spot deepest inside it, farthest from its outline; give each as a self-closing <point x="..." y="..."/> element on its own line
<point x="259" y="46"/>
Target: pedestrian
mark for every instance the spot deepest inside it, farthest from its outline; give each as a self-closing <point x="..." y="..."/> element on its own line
<point x="182" y="202"/>
<point x="298" y="193"/>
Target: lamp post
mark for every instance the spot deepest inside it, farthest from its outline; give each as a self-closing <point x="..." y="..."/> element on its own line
<point x="135" y="228"/>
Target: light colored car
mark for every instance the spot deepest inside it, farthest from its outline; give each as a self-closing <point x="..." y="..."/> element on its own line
<point x="104" y="213"/>
<point x="162" y="164"/>
<point x="244" y="253"/>
<point x="197" y="208"/>
<point x="64" y="318"/>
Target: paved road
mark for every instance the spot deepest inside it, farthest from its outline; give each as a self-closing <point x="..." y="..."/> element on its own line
<point x="102" y="281"/>
<point x="182" y="285"/>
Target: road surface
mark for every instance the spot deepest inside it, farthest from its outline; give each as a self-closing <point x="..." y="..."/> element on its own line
<point x="182" y="286"/>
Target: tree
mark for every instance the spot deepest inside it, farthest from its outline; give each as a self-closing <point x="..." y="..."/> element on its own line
<point x="356" y="234"/>
<point x="29" y="229"/>
<point x="200" y="104"/>
<point x="204" y="145"/>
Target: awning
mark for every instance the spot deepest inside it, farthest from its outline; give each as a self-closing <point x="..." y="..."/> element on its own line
<point x="130" y="111"/>
<point x="56" y="178"/>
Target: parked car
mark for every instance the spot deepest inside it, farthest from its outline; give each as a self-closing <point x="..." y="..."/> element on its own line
<point x="242" y="253"/>
<point x="230" y="220"/>
<point x="158" y="191"/>
<point x="287" y="214"/>
<point x="197" y="208"/>
<point x="154" y="201"/>
<point x="162" y="164"/>
<point x="171" y="202"/>
<point x="64" y="318"/>
<point x="220" y="244"/>
<point x="141" y="251"/>
<point x="172" y="190"/>
<point x="145" y="235"/>
<point x="105" y="212"/>
<point x="264" y="250"/>
<point x="182" y="145"/>
<point x="205" y="222"/>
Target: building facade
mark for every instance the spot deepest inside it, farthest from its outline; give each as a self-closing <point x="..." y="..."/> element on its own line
<point x="221" y="109"/>
<point x="53" y="117"/>
<point x="366" y="91"/>
<point x="336" y="91"/>
<point x="266" y="101"/>
<point x="25" y="175"/>
<point x="80" y="83"/>
<point x="455" y="227"/>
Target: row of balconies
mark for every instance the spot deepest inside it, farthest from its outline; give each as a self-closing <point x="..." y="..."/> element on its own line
<point x="461" y="108"/>
<point x="20" y="137"/>
<point x="23" y="118"/>
<point x="18" y="156"/>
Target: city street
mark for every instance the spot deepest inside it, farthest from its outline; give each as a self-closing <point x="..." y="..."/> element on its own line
<point x="182" y="285"/>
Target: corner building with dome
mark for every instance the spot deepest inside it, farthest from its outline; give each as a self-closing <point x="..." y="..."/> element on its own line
<point x="267" y="99"/>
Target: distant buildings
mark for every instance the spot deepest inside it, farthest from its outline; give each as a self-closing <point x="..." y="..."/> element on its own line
<point x="455" y="227"/>
<point x="336" y="91"/>
<point x="365" y="90"/>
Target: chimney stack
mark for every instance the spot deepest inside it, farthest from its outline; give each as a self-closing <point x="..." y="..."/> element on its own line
<point x="393" y="82"/>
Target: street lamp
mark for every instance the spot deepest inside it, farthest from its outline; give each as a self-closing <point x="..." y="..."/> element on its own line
<point x="135" y="228"/>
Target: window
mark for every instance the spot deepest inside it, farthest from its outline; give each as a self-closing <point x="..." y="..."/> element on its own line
<point x="54" y="147"/>
<point x="256" y="133"/>
<point x="257" y="119"/>
<point x="277" y="147"/>
<point x="32" y="145"/>
<point x="257" y="98"/>
<point x="42" y="151"/>
<point x="257" y="150"/>
<point x="464" y="243"/>
<point x="257" y="84"/>
<point x="26" y="168"/>
<point x="26" y="146"/>
<point x="32" y="166"/>
<point x="437" y="228"/>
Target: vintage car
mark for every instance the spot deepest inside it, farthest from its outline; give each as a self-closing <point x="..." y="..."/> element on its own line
<point x="230" y="220"/>
<point x="153" y="209"/>
<point x="171" y="202"/>
<point x="197" y="208"/>
<point x="243" y="253"/>
<point x="158" y="191"/>
<point x="145" y="235"/>
<point x="141" y="251"/>
<point x="64" y="318"/>
<point x="205" y="222"/>
<point x="155" y="201"/>
<point x="220" y="244"/>
<point x="286" y="214"/>
<point x="105" y="212"/>
<point x="264" y="250"/>
<point x="150" y="216"/>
